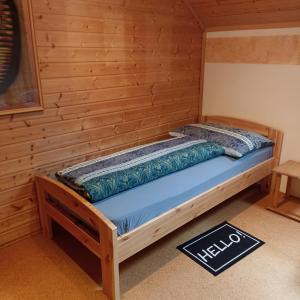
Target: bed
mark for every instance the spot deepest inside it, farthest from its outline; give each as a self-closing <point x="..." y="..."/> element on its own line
<point x="117" y="228"/>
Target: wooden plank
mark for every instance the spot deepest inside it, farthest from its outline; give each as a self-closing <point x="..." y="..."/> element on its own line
<point x="100" y="40"/>
<point x="233" y="15"/>
<point x="109" y="264"/>
<point x="17" y="179"/>
<point x="163" y="129"/>
<point x="260" y="25"/>
<point x="161" y="109"/>
<point x="51" y="143"/>
<point x="104" y="11"/>
<point x="93" y="96"/>
<point x="15" y="194"/>
<point x="202" y="69"/>
<point x="59" y="70"/>
<point x="248" y="125"/>
<point x="18" y="220"/>
<point x="20" y="233"/>
<point x="246" y="7"/>
<point x="71" y="54"/>
<point x="77" y="232"/>
<point x="16" y="207"/>
<point x="128" y="93"/>
<point x="44" y="21"/>
<point x="279" y="49"/>
<point x="289" y="208"/>
<point x="38" y="132"/>
<point x="272" y="17"/>
<point x="100" y="82"/>
<point x="290" y="168"/>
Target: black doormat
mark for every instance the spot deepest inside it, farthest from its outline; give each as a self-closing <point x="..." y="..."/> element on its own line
<point x="220" y="247"/>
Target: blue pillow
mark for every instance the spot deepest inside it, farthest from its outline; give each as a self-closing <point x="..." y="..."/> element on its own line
<point x="236" y="142"/>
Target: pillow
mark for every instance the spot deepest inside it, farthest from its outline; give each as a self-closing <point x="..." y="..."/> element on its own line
<point x="236" y="142"/>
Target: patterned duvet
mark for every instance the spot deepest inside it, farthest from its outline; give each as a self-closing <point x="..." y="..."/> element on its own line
<point x="106" y="176"/>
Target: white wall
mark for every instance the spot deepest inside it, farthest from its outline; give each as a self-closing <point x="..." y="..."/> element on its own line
<point x="266" y="93"/>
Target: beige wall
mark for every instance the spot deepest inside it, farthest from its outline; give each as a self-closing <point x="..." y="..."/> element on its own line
<point x="237" y="84"/>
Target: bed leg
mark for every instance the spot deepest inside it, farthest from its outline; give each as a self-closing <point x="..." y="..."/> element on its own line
<point x="109" y="264"/>
<point x="46" y="221"/>
<point x="48" y="227"/>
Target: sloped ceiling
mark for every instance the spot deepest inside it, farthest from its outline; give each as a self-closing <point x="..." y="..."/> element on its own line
<point x="226" y="13"/>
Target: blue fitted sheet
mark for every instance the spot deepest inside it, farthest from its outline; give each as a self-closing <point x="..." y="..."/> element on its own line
<point x="134" y="207"/>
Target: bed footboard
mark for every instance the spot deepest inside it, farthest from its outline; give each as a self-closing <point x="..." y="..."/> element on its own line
<point x="59" y="203"/>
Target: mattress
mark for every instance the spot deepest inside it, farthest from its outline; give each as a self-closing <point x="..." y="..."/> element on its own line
<point x="130" y="209"/>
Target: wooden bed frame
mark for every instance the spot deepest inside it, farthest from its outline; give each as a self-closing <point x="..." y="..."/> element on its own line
<point x="96" y="232"/>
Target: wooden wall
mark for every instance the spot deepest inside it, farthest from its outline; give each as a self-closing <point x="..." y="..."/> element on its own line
<point x="272" y="49"/>
<point x="114" y="74"/>
<point x="223" y="14"/>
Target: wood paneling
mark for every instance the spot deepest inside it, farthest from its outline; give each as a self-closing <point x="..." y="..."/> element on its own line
<point x="219" y="14"/>
<point x="254" y="50"/>
<point x="114" y="74"/>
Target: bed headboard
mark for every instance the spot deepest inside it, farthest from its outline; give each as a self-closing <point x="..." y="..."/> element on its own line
<point x="274" y="134"/>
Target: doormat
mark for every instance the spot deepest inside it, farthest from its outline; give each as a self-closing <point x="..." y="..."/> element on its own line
<point x="220" y="247"/>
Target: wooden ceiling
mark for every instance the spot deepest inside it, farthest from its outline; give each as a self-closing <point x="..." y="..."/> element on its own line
<point x="214" y="14"/>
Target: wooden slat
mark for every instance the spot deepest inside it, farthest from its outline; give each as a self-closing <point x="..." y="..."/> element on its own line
<point x="59" y="70"/>
<point x="78" y="233"/>
<point x="246" y="7"/>
<point x="248" y="125"/>
<point x="100" y="82"/>
<point x="70" y="54"/>
<point x="18" y="220"/>
<point x="20" y="233"/>
<point x="105" y="11"/>
<point x="16" y="193"/>
<point x="202" y="70"/>
<point x="52" y="22"/>
<point x="129" y="92"/>
<point x="89" y="213"/>
<point x="229" y="15"/>
<point x="100" y="40"/>
<point x="280" y="49"/>
<point x="16" y="207"/>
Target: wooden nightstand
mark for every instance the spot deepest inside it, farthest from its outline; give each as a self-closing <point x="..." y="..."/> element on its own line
<point x="285" y="204"/>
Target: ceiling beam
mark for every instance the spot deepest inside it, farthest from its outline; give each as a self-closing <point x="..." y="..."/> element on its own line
<point x="191" y="9"/>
